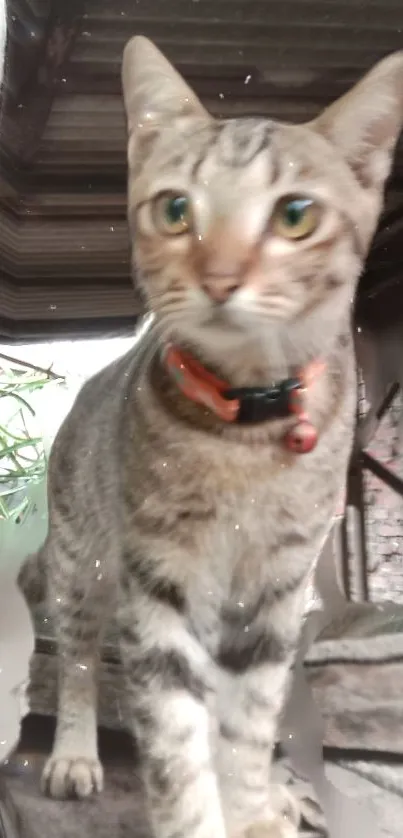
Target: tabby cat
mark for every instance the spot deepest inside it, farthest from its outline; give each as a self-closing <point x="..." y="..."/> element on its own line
<point x="172" y="503"/>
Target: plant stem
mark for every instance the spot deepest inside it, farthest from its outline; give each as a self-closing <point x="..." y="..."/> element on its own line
<point x="4" y="432"/>
<point x="26" y="443"/>
<point x="49" y="373"/>
<point x="4" y="513"/>
<point x="6" y="393"/>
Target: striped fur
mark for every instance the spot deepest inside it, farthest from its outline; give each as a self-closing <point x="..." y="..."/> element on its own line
<point x="198" y="535"/>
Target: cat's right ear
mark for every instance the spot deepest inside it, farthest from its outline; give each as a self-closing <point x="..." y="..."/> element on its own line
<point x="154" y="92"/>
<point x="366" y="122"/>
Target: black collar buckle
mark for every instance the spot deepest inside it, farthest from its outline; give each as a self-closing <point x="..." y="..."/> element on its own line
<point x="259" y="404"/>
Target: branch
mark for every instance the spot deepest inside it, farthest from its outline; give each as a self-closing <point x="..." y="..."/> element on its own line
<point x="34" y="367"/>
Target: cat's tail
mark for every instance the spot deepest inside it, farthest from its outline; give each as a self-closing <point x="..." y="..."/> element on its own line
<point x="32" y="578"/>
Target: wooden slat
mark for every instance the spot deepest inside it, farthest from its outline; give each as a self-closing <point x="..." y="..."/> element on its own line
<point x="177" y="37"/>
<point x="322" y="12"/>
<point x="73" y="204"/>
<point x="47" y="301"/>
<point x="329" y="55"/>
<point x="62" y="249"/>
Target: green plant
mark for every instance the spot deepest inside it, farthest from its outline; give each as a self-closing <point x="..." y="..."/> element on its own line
<point x="22" y="455"/>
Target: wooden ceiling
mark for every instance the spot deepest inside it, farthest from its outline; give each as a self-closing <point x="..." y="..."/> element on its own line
<point x="64" y="250"/>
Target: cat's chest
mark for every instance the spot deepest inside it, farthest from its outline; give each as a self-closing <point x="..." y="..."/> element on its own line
<point x="256" y="533"/>
<point x="249" y="555"/>
<point x="241" y="491"/>
<point x="228" y="508"/>
<point x="233" y="526"/>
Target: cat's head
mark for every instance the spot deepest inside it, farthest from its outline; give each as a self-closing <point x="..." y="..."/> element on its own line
<point x="245" y="229"/>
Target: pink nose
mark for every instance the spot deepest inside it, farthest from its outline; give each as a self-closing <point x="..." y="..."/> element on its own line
<point x="221" y="288"/>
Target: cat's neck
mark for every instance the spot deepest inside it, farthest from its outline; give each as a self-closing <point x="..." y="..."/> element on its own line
<point x="260" y="363"/>
<point x="325" y="391"/>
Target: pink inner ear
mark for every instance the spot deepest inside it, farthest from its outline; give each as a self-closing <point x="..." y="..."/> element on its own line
<point x="365" y="123"/>
<point x="152" y="85"/>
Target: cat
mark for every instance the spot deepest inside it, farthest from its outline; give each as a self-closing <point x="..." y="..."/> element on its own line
<point x="198" y="524"/>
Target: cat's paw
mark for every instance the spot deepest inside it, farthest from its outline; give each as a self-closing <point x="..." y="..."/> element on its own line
<point x="283" y="817"/>
<point x="278" y="827"/>
<point x="65" y="777"/>
<point x="283" y="802"/>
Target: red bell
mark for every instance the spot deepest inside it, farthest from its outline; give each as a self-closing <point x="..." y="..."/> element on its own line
<point x="302" y="438"/>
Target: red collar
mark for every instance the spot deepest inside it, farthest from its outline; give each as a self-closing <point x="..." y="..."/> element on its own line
<point x="251" y="404"/>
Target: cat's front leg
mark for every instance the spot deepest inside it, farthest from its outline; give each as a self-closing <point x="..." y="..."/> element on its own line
<point x="168" y="690"/>
<point x="78" y="605"/>
<point x="255" y="667"/>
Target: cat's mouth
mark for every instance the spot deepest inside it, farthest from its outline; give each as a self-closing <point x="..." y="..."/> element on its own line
<point x="233" y="315"/>
<point x="222" y="315"/>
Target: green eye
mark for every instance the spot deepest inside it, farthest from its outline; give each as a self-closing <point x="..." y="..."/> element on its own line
<point x="172" y="214"/>
<point x="295" y="217"/>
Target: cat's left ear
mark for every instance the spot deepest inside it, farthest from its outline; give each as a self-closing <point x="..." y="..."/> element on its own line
<point x="366" y="122"/>
<point x="154" y="92"/>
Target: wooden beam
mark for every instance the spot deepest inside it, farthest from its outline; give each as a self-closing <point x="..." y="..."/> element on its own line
<point x="99" y="78"/>
<point x="46" y="301"/>
<point x="23" y="331"/>
<point x="38" y="56"/>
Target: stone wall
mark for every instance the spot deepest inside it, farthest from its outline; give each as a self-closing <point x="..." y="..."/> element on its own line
<point x="384" y="511"/>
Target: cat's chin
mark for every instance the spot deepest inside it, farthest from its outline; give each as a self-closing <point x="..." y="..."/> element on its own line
<point x="222" y="337"/>
<point x="222" y="332"/>
<point x="218" y="322"/>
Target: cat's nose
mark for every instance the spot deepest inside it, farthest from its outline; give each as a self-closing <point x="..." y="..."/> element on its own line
<point x="224" y="256"/>
<point x="221" y="288"/>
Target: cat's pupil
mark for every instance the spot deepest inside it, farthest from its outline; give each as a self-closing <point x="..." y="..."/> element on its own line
<point x="295" y="210"/>
<point x="176" y="209"/>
